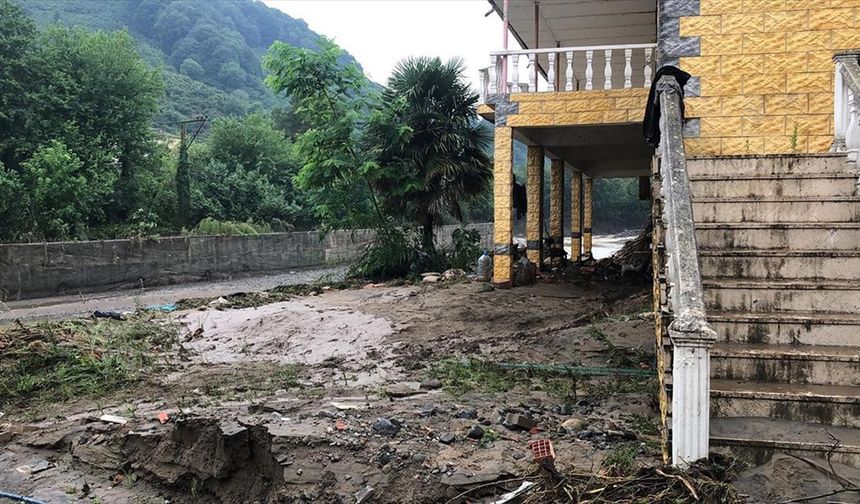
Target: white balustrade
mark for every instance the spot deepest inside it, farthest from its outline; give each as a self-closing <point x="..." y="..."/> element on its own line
<point x="545" y="66"/>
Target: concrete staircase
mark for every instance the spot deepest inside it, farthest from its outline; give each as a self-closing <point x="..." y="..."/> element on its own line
<point x="779" y="248"/>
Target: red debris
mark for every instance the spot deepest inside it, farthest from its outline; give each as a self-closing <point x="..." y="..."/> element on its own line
<point x="542" y="450"/>
<point x="340" y="425"/>
<point x="163" y="417"/>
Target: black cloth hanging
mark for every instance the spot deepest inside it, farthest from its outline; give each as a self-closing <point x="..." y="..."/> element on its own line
<point x="651" y="124"/>
<point x="520" y="200"/>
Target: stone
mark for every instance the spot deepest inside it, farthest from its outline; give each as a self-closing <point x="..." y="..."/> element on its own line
<point x="430" y="279"/>
<point x="519" y="421"/>
<point x="430" y="273"/>
<point x="403" y="389"/>
<point x="363" y="495"/>
<point x="446" y="438"/>
<point x="486" y="288"/>
<point x="419" y="458"/>
<point x="453" y="273"/>
<point x="469" y="414"/>
<point x="431" y="384"/>
<point x="476" y="432"/>
<point x="385" y="427"/>
<point x="573" y="424"/>
<point x="427" y="411"/>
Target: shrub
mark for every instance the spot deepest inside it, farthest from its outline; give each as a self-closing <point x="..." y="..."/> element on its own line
<point x="465" y="249"/>
<point x="209" y="226"/>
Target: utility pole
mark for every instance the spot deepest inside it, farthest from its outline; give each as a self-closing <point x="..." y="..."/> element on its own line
<point x="183" y="176"/>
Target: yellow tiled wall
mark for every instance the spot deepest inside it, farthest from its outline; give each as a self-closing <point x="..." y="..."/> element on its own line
<point x="610" y="106"/>
<point x="766" y="70"/>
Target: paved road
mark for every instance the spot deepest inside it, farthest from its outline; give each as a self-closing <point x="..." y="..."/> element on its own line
<point x="120" y="300"/>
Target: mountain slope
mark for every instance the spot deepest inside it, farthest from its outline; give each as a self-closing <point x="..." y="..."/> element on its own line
<point x="209" y="50"/>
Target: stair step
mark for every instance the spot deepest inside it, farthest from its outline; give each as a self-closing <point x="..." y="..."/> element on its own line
<point x="774" y="209"/>
<point x="780" y="264"/>
<point x="764" y="186"/>
<point x="789" y="328"/>
<point x="765" y="296"/>
<point x="821" y="404"/>
<point x="814" y="364"/>
<point x="768" y="165"/>
<point x="785" y="236"/>
<point x="757" y="439"/>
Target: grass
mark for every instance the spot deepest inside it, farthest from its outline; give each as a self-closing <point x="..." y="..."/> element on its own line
<point x="58" y="361"/>
<point x="459" y="376"/>
<point x="621" y="459"/>
<point x="275" y="295"/>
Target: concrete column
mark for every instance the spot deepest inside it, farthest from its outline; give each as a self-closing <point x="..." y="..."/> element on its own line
<point x="576" y="216"/>
<point x="556" y="203"/>
<point x="691" y="389"/>
<point x="534" y="212"/>
<point x="503" y="206"/>
<point x="587" y="207"/>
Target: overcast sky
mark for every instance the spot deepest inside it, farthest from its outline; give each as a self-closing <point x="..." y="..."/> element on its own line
<point x="381" y="32"/>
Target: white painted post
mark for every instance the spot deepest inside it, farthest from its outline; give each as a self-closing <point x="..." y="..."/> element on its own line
<point x="840" y="106"/>
<point x="492" y="74"/>
<point x="484" y="79"/>
<point x="607" y="70"/>
<point x="550" y="73"/>
<point x="515" y="73"/>
<point x="628" y="69"/>
<point x="691" y="391"/>
<point x="648" y="67"/>
<point x="532" y="72"/>
<point x="568" y="73"/>
<point x="852" y="130"/>
<point x="589" y="71"/>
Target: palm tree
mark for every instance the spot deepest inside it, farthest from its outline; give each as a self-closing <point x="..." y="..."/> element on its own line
<point x="433" y="151"/>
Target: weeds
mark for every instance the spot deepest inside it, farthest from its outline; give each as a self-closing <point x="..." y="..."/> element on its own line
<point x="78" y="358"/>
<point x="210" y="226"/>
<point x="459" y="376"/>
<point x="622" y="458"/>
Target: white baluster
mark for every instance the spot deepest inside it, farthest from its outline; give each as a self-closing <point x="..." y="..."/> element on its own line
<point x="852" y="132"/>
<point x="532" y="74"/>
<point x="648" y="67"/>
<point x="589" y="72"/>
<point x="628" y="69"/>
<point x="515" y="73"/>
<point x="840" y="104"/>
<point x="550" y="73"/>
<point x="568" y="73"/>
<point x="607" y="70"/>
<point x="492" y="74"/>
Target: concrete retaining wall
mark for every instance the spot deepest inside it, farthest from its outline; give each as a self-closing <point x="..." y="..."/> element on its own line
<point x="47" y="269"/>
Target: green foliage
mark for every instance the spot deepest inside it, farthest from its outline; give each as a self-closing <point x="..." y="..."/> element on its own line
<point x="395" y="253"/>
<point x="183" y="184"/>
<point x="617" y="205"/>
<point x="465" y="249"/>
<point x="210" y="226"/>
<point x="621" y="459"/>
<point x="192" y="69"/>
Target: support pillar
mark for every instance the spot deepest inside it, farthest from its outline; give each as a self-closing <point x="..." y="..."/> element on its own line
<point x="503" y="207"/>
<point x="556" y="203"/>
<point x="587" y="207"/>
<point x="691" y="391"/>
<point x="534" y="212"/>
<point x="576" y="216"/>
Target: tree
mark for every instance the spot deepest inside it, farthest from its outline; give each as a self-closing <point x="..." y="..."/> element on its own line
<point x="330" y="98"/>
<point x="17" y="37"/>
<point x="432" y="150"/>
<point x="191" y="68"/>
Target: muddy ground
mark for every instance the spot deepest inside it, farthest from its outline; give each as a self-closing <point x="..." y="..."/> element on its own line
<point x="369" y="394"/>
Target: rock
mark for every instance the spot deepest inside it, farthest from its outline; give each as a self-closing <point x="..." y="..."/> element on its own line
<point x="113" y="419"/>
<point x="519" y="421"/>
<point x="453" y="273"/>
<point x="430" y="273"/>
<point x="419" y="458"/>
<point x="446" y="438"/>
<point x="573" y="424"/>
<point x="364" y="494"/>
<point x="563" y="409"/>
<point x="469" y="414"/>
<point x="385" y="427"/>
<point x="403" y="389"/>
<point x="431" y="384"/>
<point x="430" y="279"/>
<point x="486" y="288"/>
<point x="476" y="432"/>
<point x="36" y="467"/>
<point x="518" y="455"/>
<point x="427" y="411"/>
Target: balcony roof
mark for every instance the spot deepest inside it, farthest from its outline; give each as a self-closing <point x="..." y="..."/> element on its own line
<point x="575" y="23"/>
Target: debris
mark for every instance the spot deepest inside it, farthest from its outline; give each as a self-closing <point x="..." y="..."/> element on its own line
<point x="363" y="494"/>
<point x="446" y="438"/>
<point x="484" y="269"/>
<point x="427" y="411"/>
<point x="113" y="419"/>
<point x="42" y="465"/>
<point x="486" y="288"/>
<point x="431" y="273"/>
<point x="343" y="405"/>
<point x="340" y="425"/>
<point x="219" y="302"/>
<point x="454" y="273"/>
<point x="6" y="436"/>
<point x="431" y="384"/>
<point x="430" y="279"/>
<point x="468" y="414"/>
<point x="403" y="389"/>
<point x="385" y="426"/>
<point x="573" y="424"/>
<point x="476" y="432"/>
<point x="108" y="314"/>
<point x="166" y="307"/>
<point x="519" y="421"/>
<point x="542" y="449"/>
<point x="510" y="496"/>
<point x="163" y="418"/>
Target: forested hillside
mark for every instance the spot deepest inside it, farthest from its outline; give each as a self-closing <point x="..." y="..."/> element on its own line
<point x="209" y="50"/>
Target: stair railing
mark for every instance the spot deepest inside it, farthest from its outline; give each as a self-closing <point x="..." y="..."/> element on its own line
<point x="690" y="335"/>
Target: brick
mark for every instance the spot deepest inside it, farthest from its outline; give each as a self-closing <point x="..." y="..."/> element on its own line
<point x="702" y="106"/>
<point x="584" y="105"/>
<point x="808" y="124"/>
<point x="818" y="143"/>
<point x="764" y="84"/>
<point x="701" y="65"/>
<point x="845" y="39"/>
<point x="712" y="45"/>
<point x="760" y="43"/>
<point x="742" y="64"/>
<point x="721" y="127"/>
<point x="721" y="85"/>
<point x="742" y="145"/>
<point x="819" y="62"/>
<point x="520" y="421"/>
<point x="553" y="107"/>
<point x="808" y="41"/>
<point x="764" y="5"/>
<point x="614" y="116"/>
<point x="821" y="103"/>
<point x="742" y="105"/>
<point x="783" y="104"/>
<point x="628" y="102"/>
<point x="844" y="3"/>
<point x="808" y="82"/>
<point x="786" y="21"/>
<point x="762" y="126"/>
<point x="636" y="115"/>
<point x="699" y="25"/>
<point x="742" y="23"/>
<point x="709" y="7"/>
<point x="784" y="63"/>
<point x="702" y="146"/>
<point x="831" y="19"/>
<point x="530" y="108"/>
